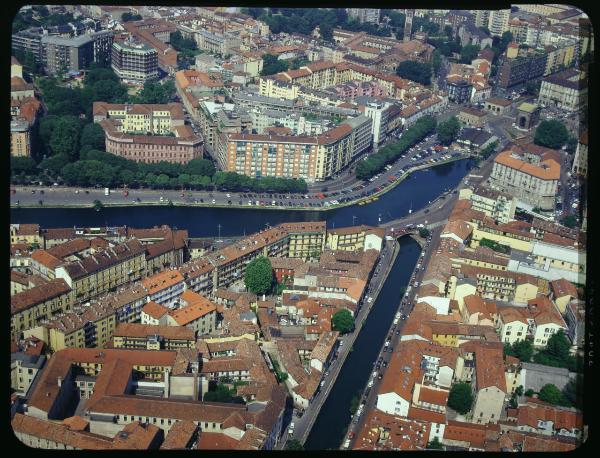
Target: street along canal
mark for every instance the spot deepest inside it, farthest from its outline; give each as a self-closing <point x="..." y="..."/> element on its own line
<point x="330" y="426"/>
<point x="414" y="192"/>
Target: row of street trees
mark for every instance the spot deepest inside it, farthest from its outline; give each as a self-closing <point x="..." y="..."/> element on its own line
<point x="389" y="153"/>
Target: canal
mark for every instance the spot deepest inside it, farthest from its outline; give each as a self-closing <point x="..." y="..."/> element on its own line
<point x="414" y="192"/>
<point x="331" y="425"/>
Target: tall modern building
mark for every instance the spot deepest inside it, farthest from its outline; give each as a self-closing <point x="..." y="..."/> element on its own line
<point x="134" y="62"/>
<point x="408" y="24"/>
<point x="371" y="15"/>
<point x="74" y="54"/>
<point x="498" y="22"/>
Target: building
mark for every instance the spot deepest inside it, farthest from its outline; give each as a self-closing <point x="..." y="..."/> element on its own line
<point x="61" y="55"/>
<point x="199" y="314"/>
<point x="498" y="22"/>
<point x="148" y="337"/>
<point x="156" y="33"/>
<point x="379" y="114"/>
<point x="358" y="238"/>
<point x="165" y="287"/>
<point x="495" y="204"/>
<point x="580" y="161"/>
<point x="517" y="71"/>
<point x="134" y="62"/>
<point x="459" y="90"/>
<point x="310" y="158"/>
<point x="497" y="106"/>
<point x="472" y="117"/>
<point x="20" y="139"/>
<point x="104" y="270"/>
<point x="30" y="307"/>
<point x="148" y="133"/>
<point x="566" y="90"/>
<point x="475" y="139"/>
<point x="26" y="362"/>
<point x="528" y="115"/>
<point x="370" y="15"/>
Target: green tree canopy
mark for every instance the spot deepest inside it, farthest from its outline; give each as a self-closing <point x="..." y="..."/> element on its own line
<point x="550" y="393"/>
<point x="460" y="397"/>
<point x="447" y="131"/>
<point x="435" y="444"/>
<point x="424" y="232"/>
<point x="523" y="349"/>
<point x="342" y="321"/>
<point x="155" y="92"/>
<point x="551" y="134"/>
<point x="92" y="136"/>
<point x="272" y="65"/>
<point x="259" y="275"/>
<point x="64" y="138"/>
<point x="569" y="221"/>
<point x="415" y="71"/>
<point x="200" y="167"/>
<point x="468" y="53"/>
<point x="128" y="16"/>
<point x="573" y="392"/>
<point x="24" y="165"/>
<point x="293" y="444"/>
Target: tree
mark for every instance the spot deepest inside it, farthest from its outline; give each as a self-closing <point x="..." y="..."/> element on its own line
<point x="436" y="61"/>
<point x="154" y="92"/>
<point x="468" y="53"/>
<point x="354" y="403"/>
<point x="571" y="144"/>
<point x="272" y="65"/>
<point x="551" y="134"/>
<point x="448" y="131"/>
<point x="424" y="232"/>
<point x="55" y="163"/>
<point x="460" y="397"/>
<point x="259" y="275"/>
<point x="415" y="71"/>
<point x="326" y="32"/>
<point x="24" y="165"/>
<point x="523" y="350"/>
<point x="573" y="392"/>
<point x="65" y="137"/>
<point x="435" y="444"/>
<point x="92" y="135"/>
<point x="533" y="87"/>
<point x="558" y="346"/>
<point x="293" y="444"/>
<point x="488" y="150"/>
<point x="549" y="393"/>
<point x="128" y="16"/>
<point x="98" y="205"/>
<point x="200" y="167"/>
<point x="342" y="321"/>
<point x="569" y="221"/>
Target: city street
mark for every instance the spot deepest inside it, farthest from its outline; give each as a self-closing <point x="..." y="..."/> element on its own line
<point x="302" y="425"/>
<point x="58" y="196"/>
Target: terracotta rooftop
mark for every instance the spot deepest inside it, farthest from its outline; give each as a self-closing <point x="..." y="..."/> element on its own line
<point x="147" y="330"/>
<point x="38" y="294"/>
<point x="162" y="280"/>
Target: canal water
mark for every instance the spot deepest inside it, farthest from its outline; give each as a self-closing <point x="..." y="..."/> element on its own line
<point x="330" y="427"/>
<point x="414" y="192"/>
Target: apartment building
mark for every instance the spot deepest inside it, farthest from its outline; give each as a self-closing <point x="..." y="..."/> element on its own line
<point x="62" y="54"/>
<point x="165" y="287"/>
<point x="156" y="119"/>
<point x="530" y="180"/>
<point x="20" y="139"/>
<point x="566" y="90"/>
<point x="104" y="271"/>
<point x="134" y="62"/>
<point x="156" y="34"/>
<point x="215" y="42"/>
<point x="199" y="316"/>
<point x="357" y="238"/>
<point x="148" y="133"/>
<point x="26" y="362"/>
<point x="305" y="240"/>
<point x="370" y="15"/>
<point x="523" y="68"/>
<point x="26" y="233"/>
<point x="28" y="308"/>
<point x="152" y="337"/>
<point x="495" y="204"/>
<point x="580" y="161"/>
<point x="310" y="158"/>
<point x="472" y="117"/>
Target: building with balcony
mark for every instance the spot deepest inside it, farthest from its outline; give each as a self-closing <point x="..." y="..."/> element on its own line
<point x="134" y="62"/>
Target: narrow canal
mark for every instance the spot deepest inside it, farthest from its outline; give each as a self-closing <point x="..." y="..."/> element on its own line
<point x="414" y="192"/>
<point x="332" y="422"/>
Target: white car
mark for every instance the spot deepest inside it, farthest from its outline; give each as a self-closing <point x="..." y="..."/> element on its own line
<point x="370" y="384"/>
<point x="291" y="429"/>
